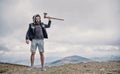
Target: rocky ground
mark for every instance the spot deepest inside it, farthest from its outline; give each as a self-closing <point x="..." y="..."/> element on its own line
<point x="80" y="68"/>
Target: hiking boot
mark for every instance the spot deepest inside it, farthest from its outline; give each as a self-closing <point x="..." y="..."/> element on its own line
<point x="30" y="68"/>
<point x="43" y="69"/>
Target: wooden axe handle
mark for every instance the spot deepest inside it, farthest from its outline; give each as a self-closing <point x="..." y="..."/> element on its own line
<point x="55" y="18"/>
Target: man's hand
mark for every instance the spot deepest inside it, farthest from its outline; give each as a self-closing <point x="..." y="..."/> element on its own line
<point x="49" y="18"/>
<point x="27" y="41"/>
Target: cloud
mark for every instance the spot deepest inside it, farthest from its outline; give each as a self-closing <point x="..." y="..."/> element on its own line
<point x="83" y="50"/>
<point x="90" y="26"/>
<point x="3" y="48"/>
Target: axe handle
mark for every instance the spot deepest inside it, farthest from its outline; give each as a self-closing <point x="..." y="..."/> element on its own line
<point x="55" y="18"/>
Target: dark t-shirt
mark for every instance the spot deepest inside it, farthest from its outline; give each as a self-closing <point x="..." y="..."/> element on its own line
<point x="38" y="32"/>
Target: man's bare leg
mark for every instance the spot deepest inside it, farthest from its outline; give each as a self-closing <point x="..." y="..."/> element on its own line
<point x="42" y="58"/>
<point x="42" y="61"/>
<point x="32" y="58"/>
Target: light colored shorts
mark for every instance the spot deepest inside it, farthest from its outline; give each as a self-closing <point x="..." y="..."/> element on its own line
<point x="37" y="43"/>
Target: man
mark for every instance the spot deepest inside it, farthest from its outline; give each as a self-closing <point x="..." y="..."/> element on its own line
<point x="36" y="34"/>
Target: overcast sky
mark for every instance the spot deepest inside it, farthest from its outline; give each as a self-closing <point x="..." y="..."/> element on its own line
<point x="91" y="27"/>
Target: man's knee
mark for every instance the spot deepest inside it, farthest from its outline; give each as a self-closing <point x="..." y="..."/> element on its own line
<point x="32" y="53"/>
<point x="41" y="53"/>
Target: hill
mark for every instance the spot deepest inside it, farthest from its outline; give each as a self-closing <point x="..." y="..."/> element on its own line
<point x="70" y="59"/>
<point x="79" y="68"/>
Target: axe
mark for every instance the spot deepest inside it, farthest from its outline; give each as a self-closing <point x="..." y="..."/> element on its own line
<point x="45" y="16"/>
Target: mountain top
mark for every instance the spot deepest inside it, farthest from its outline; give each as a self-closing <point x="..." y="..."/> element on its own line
<point x="70" y="59"/>
<point x="79" y="68"/>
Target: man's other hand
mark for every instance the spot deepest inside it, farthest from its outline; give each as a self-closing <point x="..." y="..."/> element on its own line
<point x="49" y="18"/>
<point x="27" y="41"/>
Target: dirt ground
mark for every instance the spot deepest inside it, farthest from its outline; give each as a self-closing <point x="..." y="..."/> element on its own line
<point x="80" y="68"/>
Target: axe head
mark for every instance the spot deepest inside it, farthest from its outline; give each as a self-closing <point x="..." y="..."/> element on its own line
<point x="45" y="15"/>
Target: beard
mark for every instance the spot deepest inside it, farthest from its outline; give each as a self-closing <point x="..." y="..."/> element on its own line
<point x="38" y="22"/>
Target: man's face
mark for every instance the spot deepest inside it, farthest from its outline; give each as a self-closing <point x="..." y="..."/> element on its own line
<point x="38" y="19"/>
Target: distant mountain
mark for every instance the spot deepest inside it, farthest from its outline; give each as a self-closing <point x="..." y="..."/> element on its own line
<point x="70" y="59"/>
<point x="107" y="58"/>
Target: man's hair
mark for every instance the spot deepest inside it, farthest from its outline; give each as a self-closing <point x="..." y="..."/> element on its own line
<point x="37" y="15"/>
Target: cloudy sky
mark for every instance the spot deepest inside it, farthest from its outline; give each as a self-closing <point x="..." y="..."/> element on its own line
<point x="91" y="27"/>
